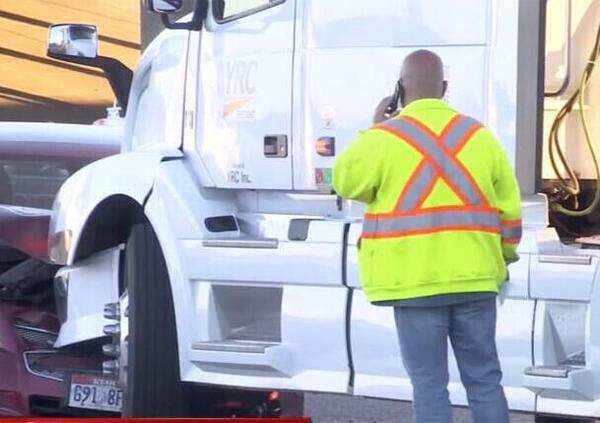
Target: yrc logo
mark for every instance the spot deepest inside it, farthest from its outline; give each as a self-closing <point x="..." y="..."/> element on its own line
<point x="240" y="89"/>
<point x="240" y="78"/>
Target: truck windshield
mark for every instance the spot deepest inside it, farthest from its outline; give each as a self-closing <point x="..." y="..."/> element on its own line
<point x="226" y="9"/>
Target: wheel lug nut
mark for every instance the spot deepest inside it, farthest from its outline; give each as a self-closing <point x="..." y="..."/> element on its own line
<point x="110" y="367"/>
<point x="111" y="350"/>
<point x="112" y="311"/>
<point x="112" y="330"/>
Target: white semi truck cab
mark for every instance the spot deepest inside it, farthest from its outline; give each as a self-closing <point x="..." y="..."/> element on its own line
<point x="221" y="253"/>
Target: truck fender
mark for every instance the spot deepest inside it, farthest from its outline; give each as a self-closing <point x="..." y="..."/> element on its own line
<point x="83" y="202"/>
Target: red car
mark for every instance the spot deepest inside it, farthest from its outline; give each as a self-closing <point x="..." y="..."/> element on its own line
<point x="35" y="159"/>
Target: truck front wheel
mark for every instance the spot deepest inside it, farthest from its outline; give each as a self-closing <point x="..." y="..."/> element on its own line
<point x="151" y="370"/>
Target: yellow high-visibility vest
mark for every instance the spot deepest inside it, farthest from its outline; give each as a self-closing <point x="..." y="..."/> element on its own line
<point x="443" y="204"/>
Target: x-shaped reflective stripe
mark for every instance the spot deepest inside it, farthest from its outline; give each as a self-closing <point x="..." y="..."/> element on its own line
<point x="439" y="160"/>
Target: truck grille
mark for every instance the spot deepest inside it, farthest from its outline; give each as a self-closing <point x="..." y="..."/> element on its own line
<point x="38" y="338"/>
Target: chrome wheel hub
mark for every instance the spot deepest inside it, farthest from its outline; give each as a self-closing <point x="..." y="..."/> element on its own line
<point x="119" y="332"/>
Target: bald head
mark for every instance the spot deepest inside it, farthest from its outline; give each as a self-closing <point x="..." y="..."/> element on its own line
<point x="422" y="76"/>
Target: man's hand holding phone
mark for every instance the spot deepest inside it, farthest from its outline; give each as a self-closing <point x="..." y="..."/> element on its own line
<point x="388" y="107"/>
<point x="380" y="111"/>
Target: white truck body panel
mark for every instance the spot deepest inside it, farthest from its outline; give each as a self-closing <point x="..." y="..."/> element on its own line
<point x="85" y="288"/>
<point x="245" y="92"/>
<point x="306" y="278"/>
<point x="349" y="57"/>
<point x="158" y="88"/>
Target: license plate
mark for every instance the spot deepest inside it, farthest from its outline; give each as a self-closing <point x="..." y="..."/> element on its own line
<point x="95" y="393"/>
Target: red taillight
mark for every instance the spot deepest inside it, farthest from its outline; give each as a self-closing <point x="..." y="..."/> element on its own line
<point x="325" y="146"/>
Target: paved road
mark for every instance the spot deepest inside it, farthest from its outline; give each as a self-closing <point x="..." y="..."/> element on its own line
<point x="326" y="408"/>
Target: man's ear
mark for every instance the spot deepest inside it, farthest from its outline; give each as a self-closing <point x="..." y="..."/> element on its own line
<point x="444" y="88"/>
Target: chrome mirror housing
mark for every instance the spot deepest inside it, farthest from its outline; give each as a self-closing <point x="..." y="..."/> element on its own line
<point x="69" y="40"/>
<point x="164" y="6"/>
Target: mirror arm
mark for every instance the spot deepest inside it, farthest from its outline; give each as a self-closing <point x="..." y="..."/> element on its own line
<point x="119" y="76"/>
<point x="195" y="24"/>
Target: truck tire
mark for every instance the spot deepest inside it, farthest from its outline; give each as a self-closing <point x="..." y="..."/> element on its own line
<point x="153" y="386"/>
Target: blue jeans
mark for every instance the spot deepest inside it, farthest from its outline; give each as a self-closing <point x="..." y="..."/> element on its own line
<point x="423" y="333"/>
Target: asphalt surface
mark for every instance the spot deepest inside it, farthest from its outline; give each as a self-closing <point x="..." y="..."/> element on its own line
<point x="326" y="408"/>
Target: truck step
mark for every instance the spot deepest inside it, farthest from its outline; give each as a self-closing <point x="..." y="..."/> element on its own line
<point x="561" y="371"/>
<point x="239" y="346"/>
<point x="560" y="378"/>
<point x="243" y="356"/>
<point x="242" y="242"/>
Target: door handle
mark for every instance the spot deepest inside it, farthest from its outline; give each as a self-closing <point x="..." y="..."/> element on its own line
<point x="276" y="146"/>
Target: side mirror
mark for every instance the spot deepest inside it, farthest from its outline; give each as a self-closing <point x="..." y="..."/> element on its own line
<point x="164" y="6"/>
<point x="73" y="41"/>
<point x="79" y="44"/>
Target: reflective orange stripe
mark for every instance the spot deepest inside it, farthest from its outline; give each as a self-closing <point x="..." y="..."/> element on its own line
<point x="511" y="223"/>
<point x="428" y="231"/>
<point x="439" y="161"/>
<point x="432" y="210"/>
<point x="430" y="222"/>
<point x="511" y="231"/>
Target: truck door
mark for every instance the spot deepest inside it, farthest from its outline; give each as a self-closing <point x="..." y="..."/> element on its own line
<point x="244" y="97"/>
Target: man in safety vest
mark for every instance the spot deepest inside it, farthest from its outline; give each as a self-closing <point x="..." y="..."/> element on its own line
<point x="443" y="222"/>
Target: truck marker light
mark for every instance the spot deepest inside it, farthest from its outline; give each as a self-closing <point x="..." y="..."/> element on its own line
<point x="325" y="146"/>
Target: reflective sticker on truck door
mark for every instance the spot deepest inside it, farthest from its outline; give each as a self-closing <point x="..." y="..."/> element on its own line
<point x="323" y="178"/>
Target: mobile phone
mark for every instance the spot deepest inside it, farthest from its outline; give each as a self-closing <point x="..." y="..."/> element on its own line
<point x="393" y="105"/>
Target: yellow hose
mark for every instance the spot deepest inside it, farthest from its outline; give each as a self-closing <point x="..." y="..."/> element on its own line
<point x="579" y="96"/>
<point x="588" y="138"/>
